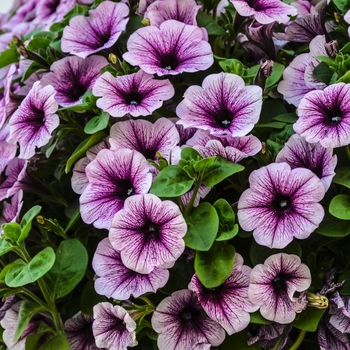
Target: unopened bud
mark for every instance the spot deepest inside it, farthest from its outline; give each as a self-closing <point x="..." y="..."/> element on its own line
<point x="112" y="58"/>
<point x="264" y="72"/>
<point x="332" y="48"/>
<point x="146" y="22"/>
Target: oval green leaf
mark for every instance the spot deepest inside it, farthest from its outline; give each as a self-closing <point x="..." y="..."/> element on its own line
<point x="339" y="207"/>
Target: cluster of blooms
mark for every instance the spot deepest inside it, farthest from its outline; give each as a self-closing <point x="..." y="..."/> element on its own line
<point x="143" y="129"/>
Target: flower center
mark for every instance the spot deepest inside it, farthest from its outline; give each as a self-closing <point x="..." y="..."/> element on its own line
<point x="133" y="98"/>
<point x="124" y="188"/>
<point x="223" y="117"/>
<point x="187" y="315"/>
<point x="279" y="284"/>
<point x="334" y="116"/>
<point x="281" y="203"/>
<point x="76" y="92"/>
<point x="169" y="61"/>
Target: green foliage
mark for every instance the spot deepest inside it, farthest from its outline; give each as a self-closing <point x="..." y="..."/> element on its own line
<point x="206" y="21"/>
<point x="308" y="319"/>
<point x="97" y="123"/>
<point x="69" y="267"/>
<point x="202" y="227"/>
<point x="339" y="207"/>
<point x="26" y="222"/>
<point x="323" y="73"/>
<point x="214" y="266"/>
<point x="227" y="227"/>
<point x="57" y="342"/>
<point x="21" y="273"/>
<point x="333" y="227"/>
<point x="342" y="177"/>
<point x="9" y="56"/>
<point x="12" y="231"/>
<point x="276" y="75"/>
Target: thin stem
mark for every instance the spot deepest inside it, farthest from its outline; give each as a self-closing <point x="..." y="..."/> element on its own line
<point x="298" y="341"/>
<point x="35" y="298"/>
<point x="194" y="195"/>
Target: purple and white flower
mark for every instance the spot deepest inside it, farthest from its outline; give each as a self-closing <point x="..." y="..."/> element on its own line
<point x="11" y="210"/>
<point x="231" y="148"/>
<point x="324" y="116"/>
<point x="87" y="35"/>
<point x="265" y="11"/>
<point x="34" y="120"/>
<point x="137" y="94"/>
<point x="72" y="77"/>
<point x="181" y="324"/>
<point x="331" y="338"/>
<point x="281" y="203"/>
<point x="145" y="137"/>
<point x="340" y="311"/>
<point x="298" y="153"/>
<point x="228" y="304"/>
<point x="273" y="284"/>
<point x="156" y="229"/>
<point x="173" y="48"/>
<point x="115" y="280"/>
<point x="113" y="176"/>
<point x="113" y="327"/>
<point x="78" y="331"/>
<point x="223" y="105"/>
<point x="184" y="11"/>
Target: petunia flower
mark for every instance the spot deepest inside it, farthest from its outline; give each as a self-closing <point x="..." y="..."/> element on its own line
<point x="138" y="94"/>
<point x="265" y="11"/>
<point x="7" y="153"/>
<point x="78" y="330"/>
<point x="273" y="284"/>
<point x="181" y="324"/>
<point x="340" y="311"/>
<point x="145" y="137"/>
<point x="87" y="35"/>
<point x="115" y="280"/>
<point x="329" y="337"/>
<point x="10" y="211"/>
<point x="231" y="148"/>
<point x="173" y="48"/>
<point x="34" y="120"/>
<point x="281" y="203"/>
<point x="72" y="77"/>
<point x="228" y="304"/>
<point x="324" y="116"/>
<point x="113" y="176"/>
<point x="113" y="327"/>
<point x="298" y="153"/>
<point x="156" y="229"/>
<point x="223" y="105"/>
<point x="184" y="11"/>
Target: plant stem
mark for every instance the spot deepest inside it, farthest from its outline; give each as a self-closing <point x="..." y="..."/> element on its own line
<point x="298" y="341"/>
<point x="194" y="195"/>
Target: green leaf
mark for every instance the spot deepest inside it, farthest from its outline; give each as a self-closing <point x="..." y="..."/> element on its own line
<point x="308" y="320"/>
<point x="345" y="289"/>
<point x="26" y="222"/>
<point x="27" y="310"/>
<point x="272" y="125"/>
<point x="9" y="56"/>
<point x="289" y="118"/>
<point x="189" y="153"/>
<point x="206" y="21"/>
<point x="57" y="27"/>
<point x="227" y="227"/>
<point x="6" y="268"/>
<point x="202" y="165"/>
<point x="277" y="71"/>
<point x="22" y="274"/>
<point x="256" y="318"/>
<point x="172" y="181"/>
<point x="333" y="227"/>
<point x="343" y="5"/>
<point x="339" y="207"/>
<point x="82" y="148"/>
<point x="38" y="43"/>
<point x="342" y="177"/>
<point x="220" y="170"/>
<point x="5" y="246"/>
<point x="58" y="342"/>
<point x="214" y="266"/>
<point x="238" y="341"/>
<point x="12" y="231"/>
<point x="323" y="73"/>
<point x="97" y="123"/>
<point x="89" y="298"/>
<point x="69" y="267"/>
<point x="202" y="227"/>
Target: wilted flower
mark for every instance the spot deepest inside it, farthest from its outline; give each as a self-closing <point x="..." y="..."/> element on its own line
<point x="113" y="327"/>
<point x="298" y="153"/>
<point x="138" y="94"/>
<point x="113" y="176"/>
<point x="231" y="148"/>
<point x="265" y="11"/>
<point x="10" y="210"/>
<point x="173" y="48"/>
<point x="179" y="320"/>
<point x="34" y="120"/>
<point x="228" y="304"/>
<point x="87" y="35"/>
<point x="78" y="331"/>
<point x="156" y="229"/>
<point x="331" y="338"/>
<point x="115" y="280"/>
<point x="324" y="116"/>
<point x="223" y="105"/>
<point x="340" y="311"/>
<point x="280" y="204"/>
<point x="273" y="284"/>
<point x="72" y="77"/>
